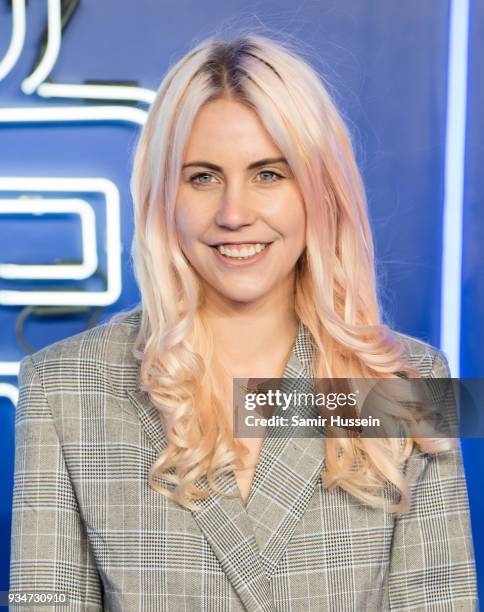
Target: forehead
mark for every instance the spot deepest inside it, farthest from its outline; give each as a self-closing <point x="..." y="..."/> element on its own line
<point x="226" y="129"/>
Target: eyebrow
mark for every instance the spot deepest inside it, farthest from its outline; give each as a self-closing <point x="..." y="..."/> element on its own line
<point x="262" y="162"/>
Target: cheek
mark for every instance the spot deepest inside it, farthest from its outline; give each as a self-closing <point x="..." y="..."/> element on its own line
<point x="184" y="223"/>
<point x="191" y="227"/>
<point x="294" y="218"/>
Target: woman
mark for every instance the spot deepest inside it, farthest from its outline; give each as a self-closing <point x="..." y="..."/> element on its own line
<point x="254" y="259"/>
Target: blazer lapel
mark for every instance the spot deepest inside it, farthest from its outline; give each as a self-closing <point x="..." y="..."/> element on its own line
<point x="288" y="469"/>
<point x="249" y="542"/>
<point x="224" y="522"/>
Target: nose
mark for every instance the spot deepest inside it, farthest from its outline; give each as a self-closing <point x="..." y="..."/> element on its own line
<point x="234" y="209"/>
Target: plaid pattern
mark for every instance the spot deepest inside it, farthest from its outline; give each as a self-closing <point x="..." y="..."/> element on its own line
<point x="86" y="522"/>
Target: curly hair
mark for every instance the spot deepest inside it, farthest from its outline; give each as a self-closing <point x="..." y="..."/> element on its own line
<point x="335" y="293"/>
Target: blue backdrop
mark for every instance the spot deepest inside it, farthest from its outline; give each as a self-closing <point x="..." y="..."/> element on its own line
<point x="386" y="64"/>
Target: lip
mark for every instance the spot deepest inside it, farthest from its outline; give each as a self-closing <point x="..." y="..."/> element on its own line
<point x="233" y="263"/>
<point x="216" y="244"/>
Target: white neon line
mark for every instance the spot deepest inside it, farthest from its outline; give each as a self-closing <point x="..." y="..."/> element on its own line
<point x="9" y="368"/>
<point x="17" y="39"/>
<point x="113" y="242"/>
<point x="73" y="113"/>
<point x="451" y="282"/>
<point x="30" y="84"/>
<point x="10" y="392"/>
<point x="40" y="207"/>
<point x="103" y="92"/>
<point x="51" y="183"/>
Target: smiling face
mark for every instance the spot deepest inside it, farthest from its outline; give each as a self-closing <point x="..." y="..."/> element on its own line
<point x="236" y="189"/>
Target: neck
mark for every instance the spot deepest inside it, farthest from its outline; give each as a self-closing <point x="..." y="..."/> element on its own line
<point x="253" y="340"/>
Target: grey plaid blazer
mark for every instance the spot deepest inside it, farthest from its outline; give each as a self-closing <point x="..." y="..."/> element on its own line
<point x="86" y="522"/>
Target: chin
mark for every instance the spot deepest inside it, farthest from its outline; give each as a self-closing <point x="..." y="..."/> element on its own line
<point x="241" y="298"/>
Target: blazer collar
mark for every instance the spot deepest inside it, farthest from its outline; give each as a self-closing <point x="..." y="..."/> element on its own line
<point x="250" y="541"/>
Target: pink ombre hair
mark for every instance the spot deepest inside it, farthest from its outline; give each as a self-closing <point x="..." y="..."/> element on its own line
<point x="335" y="295"/>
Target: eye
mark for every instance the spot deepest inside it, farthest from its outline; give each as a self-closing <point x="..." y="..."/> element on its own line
<point x="199" y="179"/>
<point x="273" y="176"/>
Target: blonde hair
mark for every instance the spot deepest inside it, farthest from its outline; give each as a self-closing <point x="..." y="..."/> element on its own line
<point x="335" y="295"/>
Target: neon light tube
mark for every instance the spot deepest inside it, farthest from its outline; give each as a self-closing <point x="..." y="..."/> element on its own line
<point x="30" y="84"/>
<point x="10" y="392"/>
<point x="113" y="242"/>
<point x="9" y="368"/>
<point x="56" y="114"/>
<point x="451" y="282"/>
<point x="41" y="206"/>
<point x="102" y="92"/>
<point x="17" y="39"/>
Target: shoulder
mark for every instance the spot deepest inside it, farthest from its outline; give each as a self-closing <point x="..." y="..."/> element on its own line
<point x="108" y="344"/>
<point x="429" y="360"/>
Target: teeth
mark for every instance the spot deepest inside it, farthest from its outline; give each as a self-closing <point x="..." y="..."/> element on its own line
<point x="243" y="253"/>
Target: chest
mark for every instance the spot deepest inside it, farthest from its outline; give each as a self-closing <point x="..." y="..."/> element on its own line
<point x="245" y="476"/>
<point x="140" y="538"/>
<point x="145" y="545"/>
